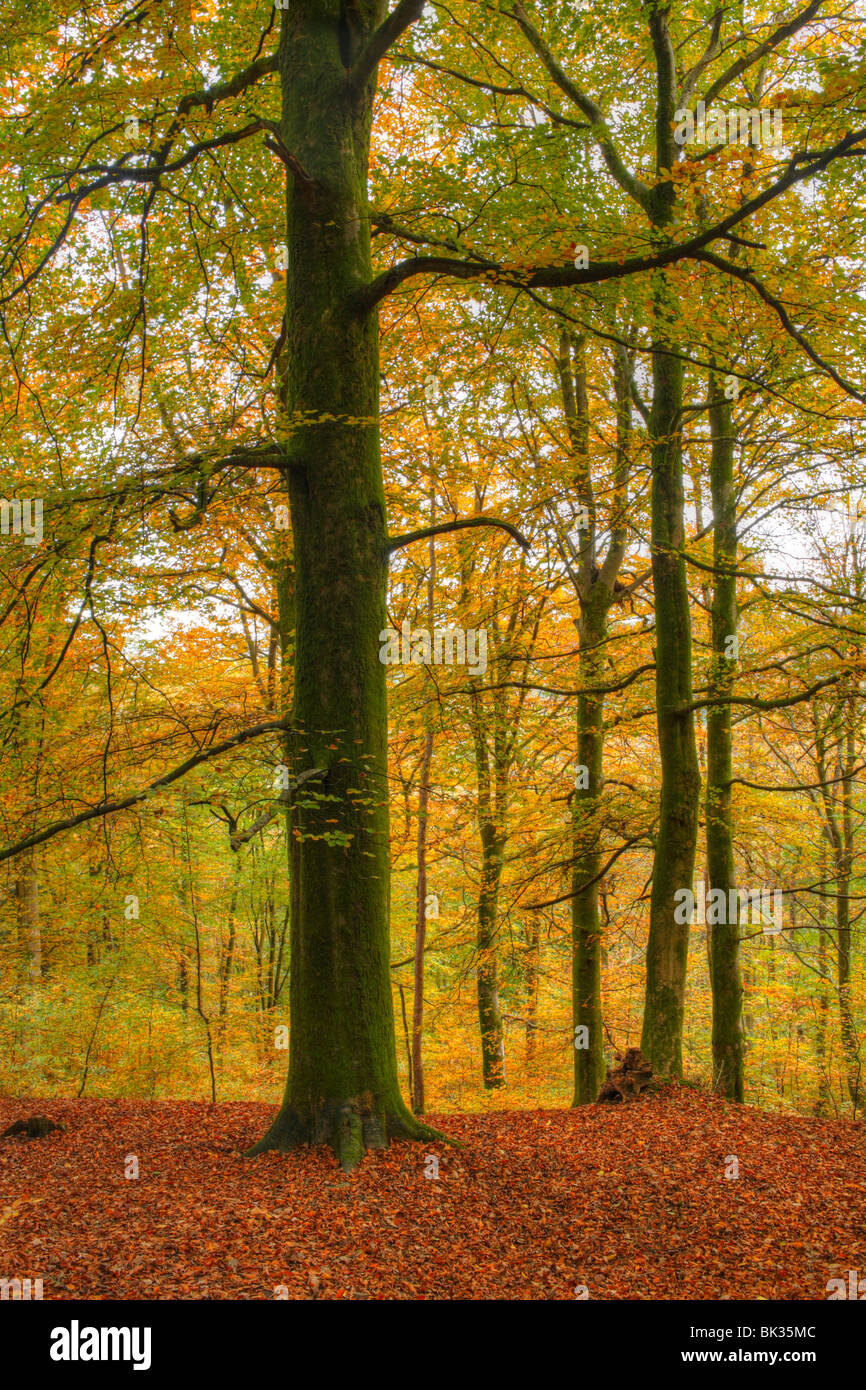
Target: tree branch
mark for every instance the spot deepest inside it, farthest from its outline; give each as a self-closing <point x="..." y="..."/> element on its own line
<point x="398" y="21"/>
<point x="397" y="542"/>
<point x="262" y="67"/>
<point x="109" y="808"/>
<point x="778" y="36"/>
<point x="692" y="77"/>
<point x="741" y="273"/>
<point x="752" y="701"/>
<point x="558" y="277"/>
<point x="637" y="190"/>
<point x="241" y="837"/>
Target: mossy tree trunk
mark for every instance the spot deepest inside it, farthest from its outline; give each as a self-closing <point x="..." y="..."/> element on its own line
<point x="418" y="1099"/>
<point x="840" y="824"/>
<point x="725" y="979"/>
<point x="674" y="859"/>
<point x="585" y="922"/>
<point x="491" y="825"/>
<point x="424" y="789"/>
<point x="845" y="862"/>
<point x="342" y="1086"/>
<point x="595" y="587"/>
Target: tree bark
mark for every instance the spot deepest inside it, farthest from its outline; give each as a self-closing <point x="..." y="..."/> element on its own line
<point x="595" y="591"/>
<point x="342" y="1085"/>
<point x="418" y="1098"/>
<point x="585" y="923"/>
<point x="674" y="861"/>
<point x="493" y="840"/>
<point x="726" y="983"/>
<point x="421" y="928"/>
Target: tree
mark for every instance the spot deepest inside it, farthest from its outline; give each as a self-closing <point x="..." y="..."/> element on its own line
<point x="595" y="581"/>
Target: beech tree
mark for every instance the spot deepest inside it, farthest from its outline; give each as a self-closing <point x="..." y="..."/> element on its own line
<point x="595" y="579"/>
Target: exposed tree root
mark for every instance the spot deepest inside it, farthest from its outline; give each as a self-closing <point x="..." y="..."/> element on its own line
<point x="351" y="1127"/>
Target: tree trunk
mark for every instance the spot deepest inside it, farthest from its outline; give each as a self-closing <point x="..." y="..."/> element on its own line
<point x="585" y="924"/>
<point x="822" y="1099"/>
<point x="421" y="929"/>
<point x="342" y="1086"/>
<point x="844" y="862"/>
<point x="726" y="984"/>
<point x="533" y="961"/>
<point x="595" y="590"/>
<point x="225" y="966"/>
<point x="487" y="975"/>
<point x="491" y="826"/>
<point x="29" y="927"/>
<point x="423" y="805"/>
<point x="674" y="861"/>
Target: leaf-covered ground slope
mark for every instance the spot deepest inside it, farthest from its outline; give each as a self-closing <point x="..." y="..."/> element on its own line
<point x="629" y="1201"/>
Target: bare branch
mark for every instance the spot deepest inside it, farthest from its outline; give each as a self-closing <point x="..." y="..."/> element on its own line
<point x="741" y="273"/>
<point x="262" y="67"/>
<point x="109" y="808"/>
<point x="397" y="542"/>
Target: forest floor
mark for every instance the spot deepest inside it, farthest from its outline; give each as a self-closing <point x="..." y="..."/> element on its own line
<point x="628" y="1201"/>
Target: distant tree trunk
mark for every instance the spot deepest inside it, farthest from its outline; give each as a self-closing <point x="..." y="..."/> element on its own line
<point x="494" y="731"/>
<point x="836" y="735"/>
<point x="107" y="934"/>
<point x="342" y="1085"/>
<point x="227" y="960"/>
<point x="487" y="973"/>
<point x="29" y="926"/>
<point x="533" y="952"/>
<point x="726" y="983"/>
<point x="91" y="937"/>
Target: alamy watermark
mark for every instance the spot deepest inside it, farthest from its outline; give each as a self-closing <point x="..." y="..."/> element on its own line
<point x="762" y="906"/>
<point x="20" y="517"/>
<point x="855" y="1289"/>
<point x="20" y="1290"/>
<point x="445" y="646"/>
<point x="76" y="1343"/>
<point x="741" y="126"/>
